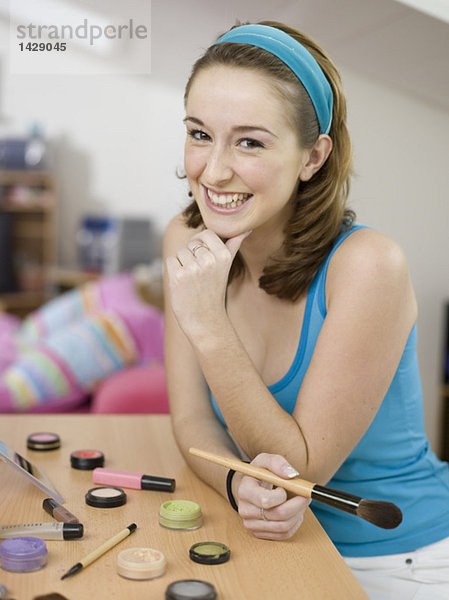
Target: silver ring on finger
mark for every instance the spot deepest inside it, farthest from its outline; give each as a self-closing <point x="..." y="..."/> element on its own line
<point x="262" y="514"/>
<point x="197" y="246"/>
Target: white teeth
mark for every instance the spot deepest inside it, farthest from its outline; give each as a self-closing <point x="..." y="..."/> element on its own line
<point x="227" y="200"/>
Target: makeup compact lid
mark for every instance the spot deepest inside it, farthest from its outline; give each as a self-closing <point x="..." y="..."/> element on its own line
<point x="190" y="589"/>
<point x="105" y="497"/>
<point x="86" y="459"/>
<point x="209" y="553"/>
<point x="43" y="441"/>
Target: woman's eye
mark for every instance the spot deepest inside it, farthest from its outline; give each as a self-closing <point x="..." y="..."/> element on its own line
<point x="250" y="143"/>
<point x="197" y="134"/>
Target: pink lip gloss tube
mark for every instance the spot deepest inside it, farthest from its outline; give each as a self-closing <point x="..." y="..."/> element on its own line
<point x="136" y="481"/>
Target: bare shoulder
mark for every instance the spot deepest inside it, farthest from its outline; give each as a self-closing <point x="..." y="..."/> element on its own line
<point x="369" y="253"/>
<point x="370" y="262"/>
<point x="177" y="234"/>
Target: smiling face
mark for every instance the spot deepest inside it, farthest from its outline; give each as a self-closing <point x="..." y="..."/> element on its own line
<point x="243" y="159"/>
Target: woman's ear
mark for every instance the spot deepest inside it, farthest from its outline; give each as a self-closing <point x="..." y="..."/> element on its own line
<point x="317" y="157"/>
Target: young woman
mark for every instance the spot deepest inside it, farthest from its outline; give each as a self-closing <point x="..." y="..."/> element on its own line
<point x="290" y="331"/>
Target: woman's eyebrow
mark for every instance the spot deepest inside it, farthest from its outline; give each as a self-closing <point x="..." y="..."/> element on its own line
<point x="237" y="128"/>
<point x="194" y="120"/>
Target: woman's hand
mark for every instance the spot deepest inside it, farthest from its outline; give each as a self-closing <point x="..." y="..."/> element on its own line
<point x="197" y="279"/>
<point x="267" y="512"/>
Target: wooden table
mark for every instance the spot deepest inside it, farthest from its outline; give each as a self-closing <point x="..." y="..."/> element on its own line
<point x="306" y="567"/>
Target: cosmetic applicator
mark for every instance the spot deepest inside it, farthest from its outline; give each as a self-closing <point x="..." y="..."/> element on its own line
<point x="382" y="514"/>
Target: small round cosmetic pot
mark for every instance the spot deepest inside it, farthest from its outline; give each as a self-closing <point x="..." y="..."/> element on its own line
<point x="180" y="514"/>
<point x="43" y="441"/>
<point x="190" y="589"/>
<point x="141" y="563"/>
<point x="23" y="554"/>
<point x="105" y="497"/>
<point x="86" y="459"/>
<point x="209" y="553"/>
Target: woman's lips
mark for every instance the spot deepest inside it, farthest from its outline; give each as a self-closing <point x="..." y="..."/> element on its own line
<point x="228" y="203"/>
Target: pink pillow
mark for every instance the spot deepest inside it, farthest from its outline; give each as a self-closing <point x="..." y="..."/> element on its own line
<point x="138" y="389"/>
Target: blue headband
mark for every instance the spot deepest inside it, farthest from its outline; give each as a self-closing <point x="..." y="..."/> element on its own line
<point x="296" y="57"/>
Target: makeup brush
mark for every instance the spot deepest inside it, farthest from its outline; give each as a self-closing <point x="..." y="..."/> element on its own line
<point x="383" y="514"/>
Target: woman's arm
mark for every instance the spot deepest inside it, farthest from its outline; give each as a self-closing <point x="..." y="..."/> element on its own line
<point x="195" y="424"/>
<point x="371" y="309"/>
<point x="193" y="419"/>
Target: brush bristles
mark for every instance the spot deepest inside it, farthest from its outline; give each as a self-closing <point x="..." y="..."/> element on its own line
<point x="383" y="514"/>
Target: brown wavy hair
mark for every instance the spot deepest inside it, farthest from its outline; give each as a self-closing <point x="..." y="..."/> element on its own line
<point x="320" y="210"/>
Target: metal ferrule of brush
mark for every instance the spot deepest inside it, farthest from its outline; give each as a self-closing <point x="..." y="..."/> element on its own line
<point x="341" y="500"/>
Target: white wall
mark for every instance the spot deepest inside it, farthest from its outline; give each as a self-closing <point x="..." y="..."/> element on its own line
<point x="119" y="141"/>
<point x="401" y="157"/>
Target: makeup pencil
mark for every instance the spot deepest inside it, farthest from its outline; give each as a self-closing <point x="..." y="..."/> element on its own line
<point x="383" y="514"/>
<point x="87" y="560"/>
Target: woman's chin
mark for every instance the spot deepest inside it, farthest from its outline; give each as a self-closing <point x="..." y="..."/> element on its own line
<point x="223" y="230"/>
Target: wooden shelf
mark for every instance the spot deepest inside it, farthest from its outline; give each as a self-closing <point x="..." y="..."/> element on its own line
<point x="29" y="199"/>
<point x="22" y="303"/>
<point x="26" y="178"/>
<point x="23" y="299"/>
<point x="31" y="208"/>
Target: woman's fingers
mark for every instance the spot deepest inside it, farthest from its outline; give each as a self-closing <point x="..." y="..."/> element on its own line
<point x="185" y="257"/>
<point x="197" y="279"/>
<point x="280" y="522"/>
<point x="207" y="240"/>
<point x="255" y="494"/>
<point x="267" y="513"/>
<point x="276" y="464"/>
<point x="233" y="244"/>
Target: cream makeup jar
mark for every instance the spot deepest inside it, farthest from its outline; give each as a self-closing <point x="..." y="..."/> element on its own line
<point x="180" y="514"/>
<point x="141" y="563"/>
<point x="23" y="554"/>
<point x="105" y="497"/>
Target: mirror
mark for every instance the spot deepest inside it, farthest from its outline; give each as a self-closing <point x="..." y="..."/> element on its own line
<point x="29" y="470"/>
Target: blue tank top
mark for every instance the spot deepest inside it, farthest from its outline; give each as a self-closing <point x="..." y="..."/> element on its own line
<point x="393" y="460"/>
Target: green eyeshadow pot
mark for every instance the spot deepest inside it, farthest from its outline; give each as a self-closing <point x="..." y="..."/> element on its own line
<point x="184" y="515"/>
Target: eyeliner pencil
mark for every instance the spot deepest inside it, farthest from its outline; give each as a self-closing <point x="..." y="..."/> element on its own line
<point x="87" y="560"/>
<point x="383" y="514"/>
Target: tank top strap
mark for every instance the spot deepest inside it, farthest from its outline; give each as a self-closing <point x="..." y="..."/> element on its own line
<point x="322" y="273"/>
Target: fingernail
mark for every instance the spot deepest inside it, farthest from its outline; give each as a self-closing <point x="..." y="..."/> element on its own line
<point x="290" y="472"/>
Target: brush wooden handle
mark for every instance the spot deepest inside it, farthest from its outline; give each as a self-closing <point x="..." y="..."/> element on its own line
<point x="298" y="486"/>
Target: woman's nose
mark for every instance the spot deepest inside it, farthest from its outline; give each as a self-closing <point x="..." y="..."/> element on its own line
<point x="218" y="167"/>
